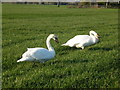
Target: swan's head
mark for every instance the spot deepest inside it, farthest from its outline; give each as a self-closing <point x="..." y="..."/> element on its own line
<point x="54" y="37"/>
<point x="93" y="33"/>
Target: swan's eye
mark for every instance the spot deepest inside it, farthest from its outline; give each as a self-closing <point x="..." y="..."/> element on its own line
<point x="92" y="34"/>
<point x="56" y="38"/>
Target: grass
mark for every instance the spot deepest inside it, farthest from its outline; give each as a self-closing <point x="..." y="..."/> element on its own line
<point x="26" y="26"/>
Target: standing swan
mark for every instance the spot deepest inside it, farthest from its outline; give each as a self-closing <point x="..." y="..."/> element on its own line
<point x="80" y="41"/>
<point x="40" y="54"/>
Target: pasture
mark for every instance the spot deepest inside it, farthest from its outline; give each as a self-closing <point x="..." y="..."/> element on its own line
<point x="24" y="26"/>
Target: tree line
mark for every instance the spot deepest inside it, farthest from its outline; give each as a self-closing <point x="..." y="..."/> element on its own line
<point x="75" y="4"/>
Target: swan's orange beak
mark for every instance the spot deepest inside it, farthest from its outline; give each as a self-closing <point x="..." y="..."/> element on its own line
<point x="98" y="36"/>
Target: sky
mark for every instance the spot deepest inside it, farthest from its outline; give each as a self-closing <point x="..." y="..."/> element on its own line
<point x="60" y="0"/>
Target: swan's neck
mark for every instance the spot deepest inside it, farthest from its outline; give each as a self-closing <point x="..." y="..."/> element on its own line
<point x="50" y="48"/>
<point x="95" y="40"/>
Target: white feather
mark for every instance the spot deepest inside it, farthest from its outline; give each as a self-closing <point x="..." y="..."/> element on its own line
<point x="80" y="41"/>
<point x="39" y="54"/>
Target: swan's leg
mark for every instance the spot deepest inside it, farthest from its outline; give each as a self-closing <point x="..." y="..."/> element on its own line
<point x="82" y="47"/>
<point x="79" y="46"/>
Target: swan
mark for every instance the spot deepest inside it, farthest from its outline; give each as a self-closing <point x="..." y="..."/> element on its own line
<point x="40" y="54"/>
<point x="80" y="41"/>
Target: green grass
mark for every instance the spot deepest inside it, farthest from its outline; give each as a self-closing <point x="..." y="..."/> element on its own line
<point x="26" y="26"/>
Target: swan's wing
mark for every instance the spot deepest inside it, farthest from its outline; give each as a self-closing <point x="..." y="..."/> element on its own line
<point x="78" y="39"/>
<point x="29" y="50"/>
<point x="85" y="40"/>
<point x="27" y="55"/>
<point x="39" y="53"/>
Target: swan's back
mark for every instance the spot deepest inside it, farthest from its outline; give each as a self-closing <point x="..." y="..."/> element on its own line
<point x="40" y="53"/>
<point x="79" y="39"/>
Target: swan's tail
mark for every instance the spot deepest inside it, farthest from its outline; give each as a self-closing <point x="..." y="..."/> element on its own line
<point x="21" y="60"/>
<point x="64" y="44"/>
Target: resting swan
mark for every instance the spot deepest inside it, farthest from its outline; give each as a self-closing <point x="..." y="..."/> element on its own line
<point x="40" y="54"/>
<point x="80" y="41"/>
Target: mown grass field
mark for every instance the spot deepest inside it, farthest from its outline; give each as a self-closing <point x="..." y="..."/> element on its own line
<point x="26" y="26"/>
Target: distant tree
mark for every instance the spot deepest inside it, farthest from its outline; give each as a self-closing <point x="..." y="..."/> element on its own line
<point x="114" y="5"/>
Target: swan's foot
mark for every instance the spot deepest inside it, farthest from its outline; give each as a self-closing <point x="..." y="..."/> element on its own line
<point x="79" y="46"/>
<point x="82" y="48"/>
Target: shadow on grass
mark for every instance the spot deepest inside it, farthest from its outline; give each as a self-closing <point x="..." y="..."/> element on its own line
<point x="58" y="62"/>
<point x="76" y="61"/>
<point x="99" y="48"/>
<point x="66" y="50"/>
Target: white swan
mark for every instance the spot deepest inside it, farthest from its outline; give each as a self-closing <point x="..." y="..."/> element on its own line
<point x="40" y="54"/>
<point x="80" y="41"/>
